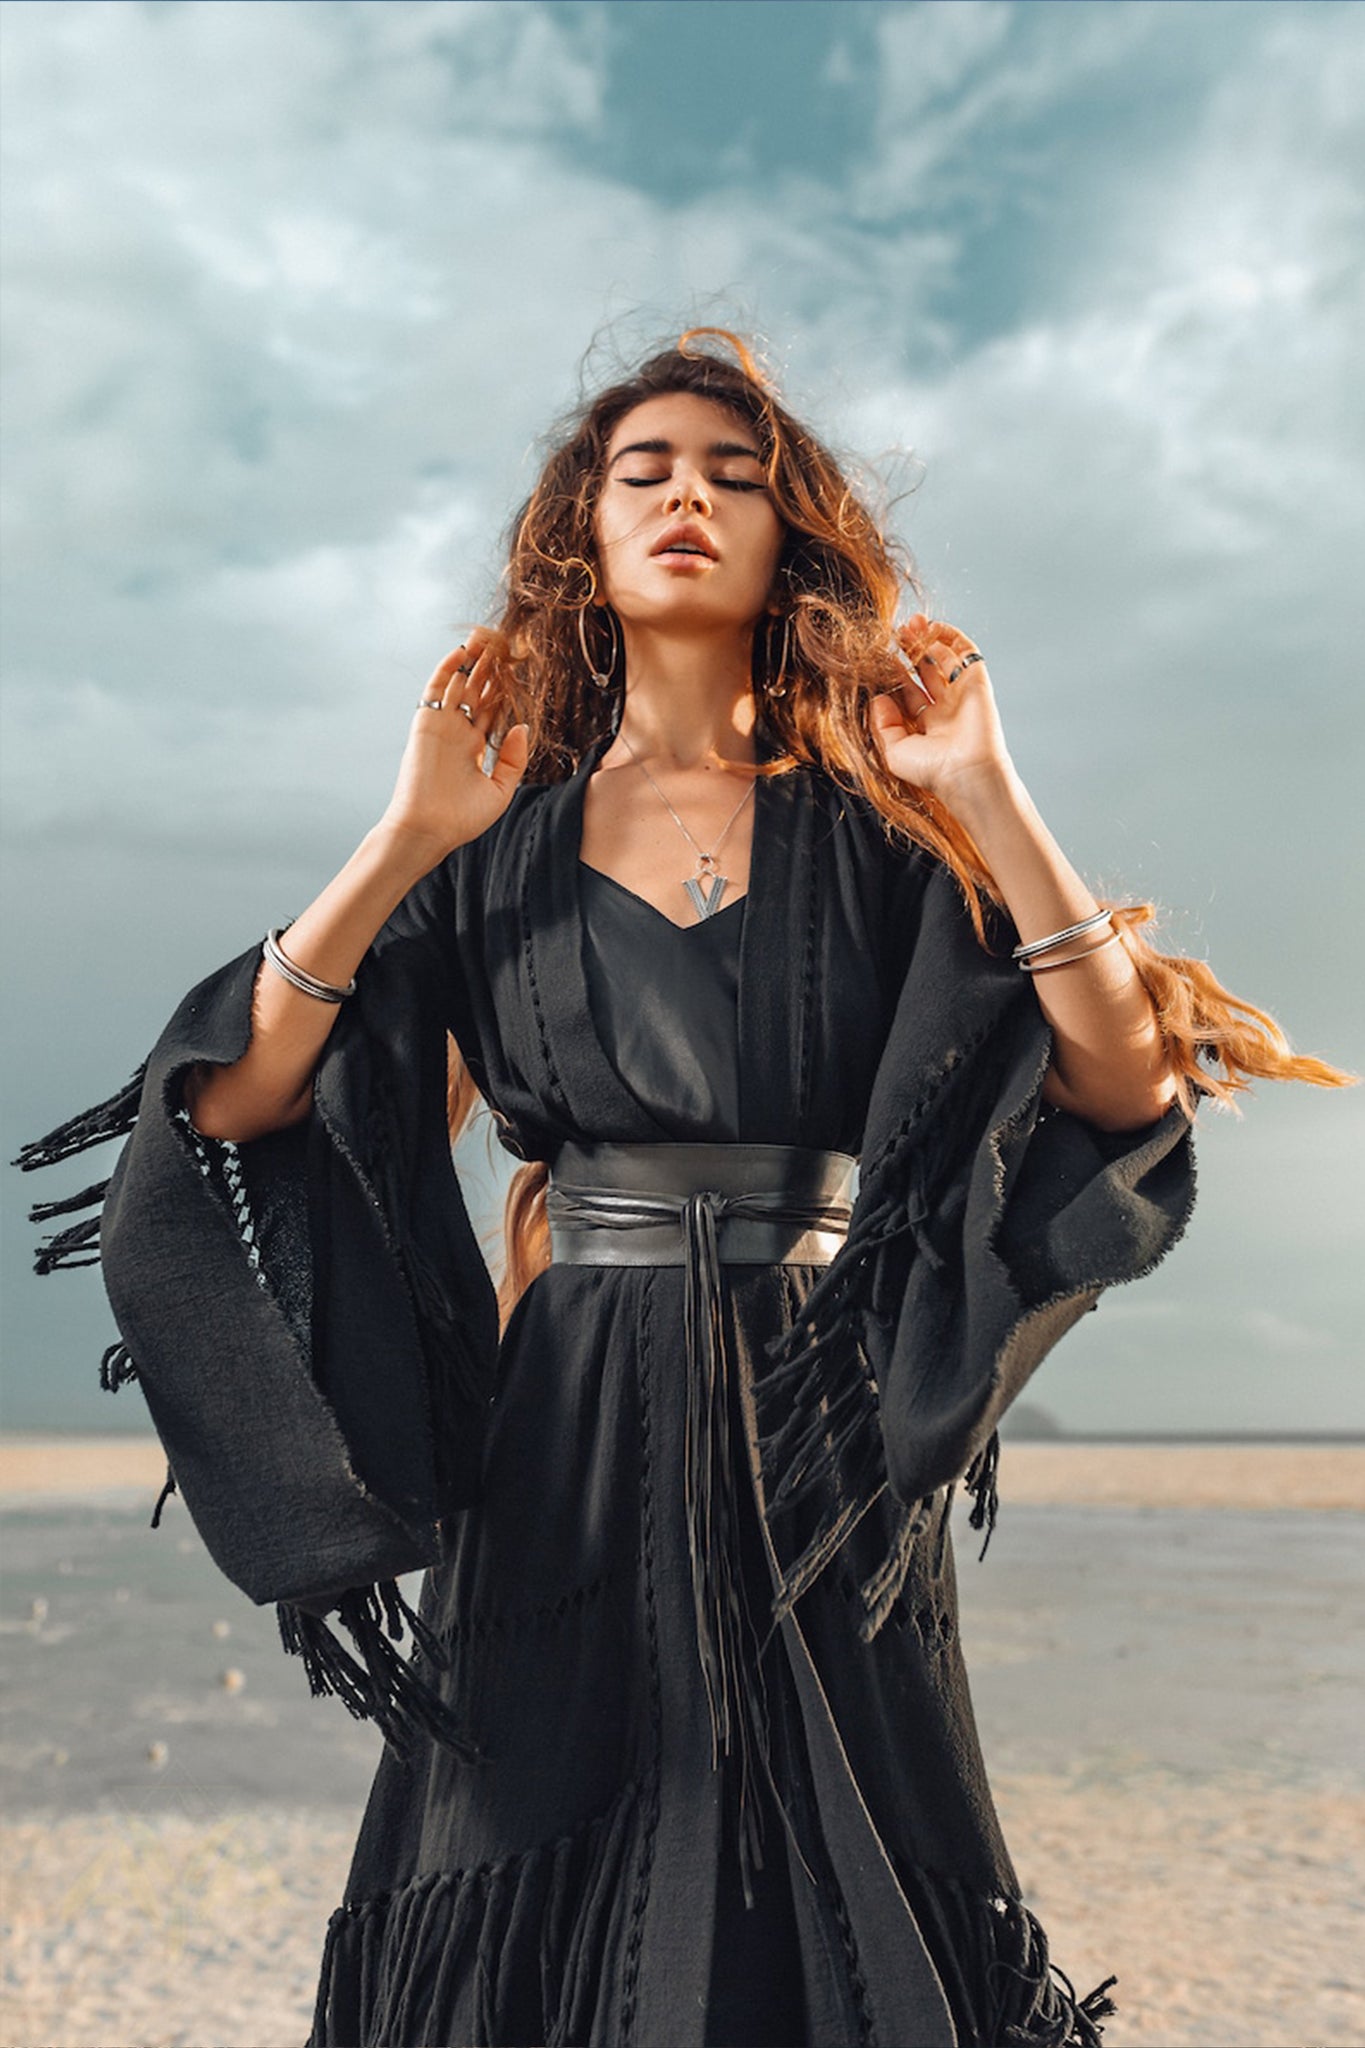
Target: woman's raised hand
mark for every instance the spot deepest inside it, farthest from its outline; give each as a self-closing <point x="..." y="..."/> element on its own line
<point x="940" y="729"/>
<point x="443" y="797"/>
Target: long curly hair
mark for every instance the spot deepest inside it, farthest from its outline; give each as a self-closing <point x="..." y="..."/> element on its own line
<point x="841" y="582"/>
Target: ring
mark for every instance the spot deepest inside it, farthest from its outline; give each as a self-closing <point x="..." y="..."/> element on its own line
<point x="465" y="669"/>
<point x="467" y="712"/>
<point x="965" y="663"/>
<point x="431" y="704"/>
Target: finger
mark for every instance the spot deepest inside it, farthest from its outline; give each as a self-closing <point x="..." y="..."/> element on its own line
<point x="951" y="638"/>
<point x="509" y="762"/>
<point x="917" y="689"/>
<point x="925" y="680"/>
<point x="942" y="656"/>
<point x="446" y="678"/>
<point x="890" y="719"/>
<point x="479" y="694"/>
<point x="914" y="646"/>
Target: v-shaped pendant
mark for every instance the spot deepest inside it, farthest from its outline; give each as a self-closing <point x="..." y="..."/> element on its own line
<point x="706" y="901"/>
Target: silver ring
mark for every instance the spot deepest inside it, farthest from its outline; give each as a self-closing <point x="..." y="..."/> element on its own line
<point x="965" y="663"/>
<point x="431" y="704"/>
<point x="467" y="711"/>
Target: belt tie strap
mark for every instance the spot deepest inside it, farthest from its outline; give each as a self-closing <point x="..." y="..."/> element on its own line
<point x="701" y="1229"/>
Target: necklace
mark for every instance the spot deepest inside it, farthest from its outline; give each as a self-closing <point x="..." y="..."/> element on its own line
<point x="706" y="889"/>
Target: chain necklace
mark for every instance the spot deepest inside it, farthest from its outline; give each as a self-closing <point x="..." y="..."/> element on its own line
<point x="706" y="889"/>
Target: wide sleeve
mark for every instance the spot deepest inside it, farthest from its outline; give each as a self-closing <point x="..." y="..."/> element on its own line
<point x="987" y="1223"/>
<point x="309" y="1316"/>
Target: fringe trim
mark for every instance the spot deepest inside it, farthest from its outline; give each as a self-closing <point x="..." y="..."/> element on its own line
<point x="1004" y="1989"/>
<point x="78" y="1244"/>
<point x="117" y="1368"/>
<point x="167" y="1490"/>
<point x="514" y="1949"/>
<point x="111" y="1119"/>
<point x="981" y="1483"/>
<point x="818" y="1407"/>
<point x="381" y="1685"/>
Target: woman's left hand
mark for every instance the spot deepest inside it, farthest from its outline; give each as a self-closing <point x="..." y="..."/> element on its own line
<point x="940" y="730"/>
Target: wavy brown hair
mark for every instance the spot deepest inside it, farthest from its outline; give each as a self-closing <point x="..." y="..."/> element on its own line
<point x="840" y="583"/>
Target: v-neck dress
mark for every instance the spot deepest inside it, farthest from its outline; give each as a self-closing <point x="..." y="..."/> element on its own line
<point x="579" y="1885"/>
<point x="573" y="1886"/>
<point x="664" y="1000"/>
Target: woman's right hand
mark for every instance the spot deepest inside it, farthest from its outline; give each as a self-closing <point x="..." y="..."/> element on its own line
<point x="443" y="798"/>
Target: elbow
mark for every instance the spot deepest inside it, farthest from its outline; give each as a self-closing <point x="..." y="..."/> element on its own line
<point x="1131" y="1116"/>
<point x="1109" y="1108"/>
<point x="217" y="1111"/>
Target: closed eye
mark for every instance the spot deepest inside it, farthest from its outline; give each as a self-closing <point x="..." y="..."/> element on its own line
<point x="724" y="483"/>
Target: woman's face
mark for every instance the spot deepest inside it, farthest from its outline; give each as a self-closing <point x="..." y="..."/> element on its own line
<point x="687" y="534"/>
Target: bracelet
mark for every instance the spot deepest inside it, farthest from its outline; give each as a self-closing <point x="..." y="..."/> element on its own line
<point x="1071" y="931"/>
<point x="307" y="984"/>
<point x="1043" y="966"/>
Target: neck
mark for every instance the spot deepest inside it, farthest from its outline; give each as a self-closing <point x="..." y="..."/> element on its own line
<point x="687" y="699"/>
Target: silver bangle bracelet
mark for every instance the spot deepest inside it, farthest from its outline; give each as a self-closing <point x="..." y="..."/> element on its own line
<point x="1043" y="966"/>
<point x="1071" y="931"/>
<point x="307" y="984"/>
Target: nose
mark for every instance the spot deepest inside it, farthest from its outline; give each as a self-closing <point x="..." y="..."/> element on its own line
<point x="689" y="493"/>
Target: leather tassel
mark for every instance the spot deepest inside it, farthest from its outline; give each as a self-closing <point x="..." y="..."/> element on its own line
<point x="734" y="1694"/>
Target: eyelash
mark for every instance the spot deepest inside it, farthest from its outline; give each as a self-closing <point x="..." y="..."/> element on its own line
<point x="724" y="483"/>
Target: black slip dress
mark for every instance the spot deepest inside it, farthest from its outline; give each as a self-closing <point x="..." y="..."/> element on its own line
<point x="664" y="1001"/>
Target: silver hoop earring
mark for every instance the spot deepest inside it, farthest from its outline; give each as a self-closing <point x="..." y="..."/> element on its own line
<point x="777" y="687"/>
<point x="603" y="679"/>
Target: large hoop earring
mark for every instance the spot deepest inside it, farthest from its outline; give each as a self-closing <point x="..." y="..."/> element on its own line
<point x="603" y="679"/>
<point x="777" y="683"/>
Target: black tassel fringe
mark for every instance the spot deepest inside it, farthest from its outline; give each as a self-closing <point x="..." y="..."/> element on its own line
<point x="96" y="1126"/>
<point x="381" y="1684"/>
<point x="167" y="1490"/>
<point x="513" y="1950"/>
<point x="824" y="1443"/>
<point x="981" y="1484"/>
<point x="78" y="1245"/>
<point x="117" y="1368"/>
<point x="1003" y="1987"/>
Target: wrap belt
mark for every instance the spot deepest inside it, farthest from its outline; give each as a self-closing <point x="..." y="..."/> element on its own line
<point x="702" y="1207"/>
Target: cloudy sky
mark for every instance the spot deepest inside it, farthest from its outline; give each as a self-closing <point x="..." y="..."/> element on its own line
<point x="291" y="290"/>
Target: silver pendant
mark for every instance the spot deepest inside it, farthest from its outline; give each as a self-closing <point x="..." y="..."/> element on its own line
<point x="706" y="901"/>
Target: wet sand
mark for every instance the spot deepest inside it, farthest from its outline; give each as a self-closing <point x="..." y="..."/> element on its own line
<point x="1166" y="1654"/>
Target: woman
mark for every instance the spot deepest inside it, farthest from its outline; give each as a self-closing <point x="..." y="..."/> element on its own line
<point x="716" y="879"/>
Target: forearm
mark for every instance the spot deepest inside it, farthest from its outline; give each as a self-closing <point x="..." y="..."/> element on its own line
<point x="271" y="1085"/>
<point x="1109" y="1059"/>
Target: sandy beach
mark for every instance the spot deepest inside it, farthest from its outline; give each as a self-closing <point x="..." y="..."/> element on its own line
<point x="1324" y="1477"/>
<point x="1166" y="1649"/>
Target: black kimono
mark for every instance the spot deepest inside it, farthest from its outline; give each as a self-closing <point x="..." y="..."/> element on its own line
<point x="565" y="1872"/>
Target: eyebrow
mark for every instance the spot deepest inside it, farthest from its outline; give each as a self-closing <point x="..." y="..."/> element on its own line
<point x="717" y="449"/>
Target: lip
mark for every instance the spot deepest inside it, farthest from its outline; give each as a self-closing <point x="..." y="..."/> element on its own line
<point x="683" y="536"/>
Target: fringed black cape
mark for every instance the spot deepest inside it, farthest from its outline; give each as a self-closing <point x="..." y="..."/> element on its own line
<point x="314" y="1330"/>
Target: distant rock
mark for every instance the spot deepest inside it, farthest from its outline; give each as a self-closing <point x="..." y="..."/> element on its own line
<point x="1027" y="1422"/>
